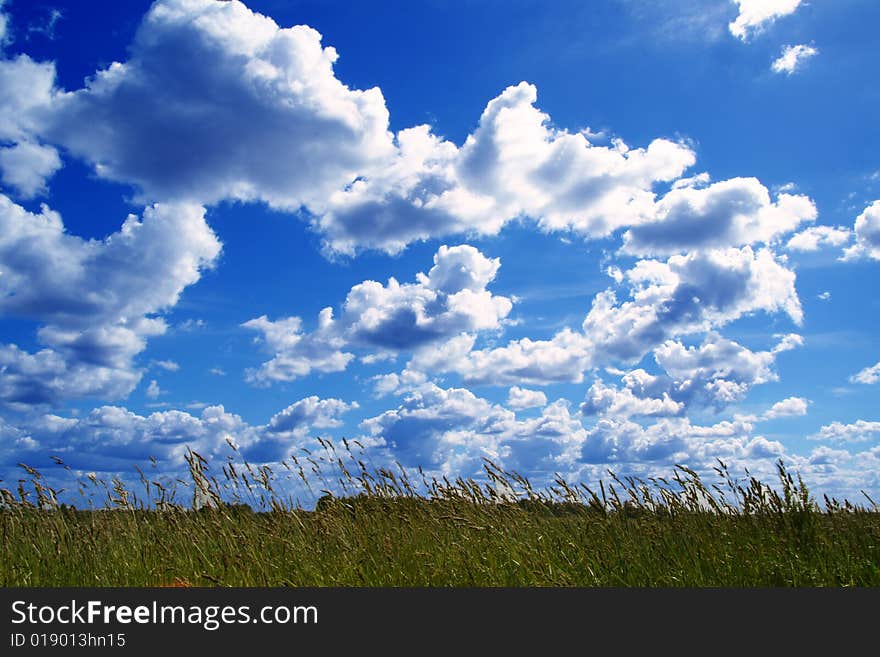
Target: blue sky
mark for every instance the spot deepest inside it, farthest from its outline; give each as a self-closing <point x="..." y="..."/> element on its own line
<point x="565" y="236"/>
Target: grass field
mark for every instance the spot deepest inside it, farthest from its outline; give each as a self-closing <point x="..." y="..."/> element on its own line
<point x="386" y="531"/>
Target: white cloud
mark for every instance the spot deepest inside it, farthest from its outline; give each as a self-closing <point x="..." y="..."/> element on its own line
<point x="217" y="371"/>
<point x="617" y="402"/>
<point x="111" y="438"/>
<point x="718" y="372"/>
<point x="867" y="230"/>
<point x="312" y="412"/>
<point x="793" y="406"/>
<point x="730" y="213"/>
<point x="167" y="365"/>
<point x="27" y="166"/>
<point x="398" y="384"/>
<point x="203" y="75"/>
<point x="522" y="398"/>
<point x="814" y="237"/>
<point x="449" y="299"/>
<point x="514" y="164"/>
<point x="97" y="301"/>
<point x="215" y="102"/>
<point x="685" y="295"/>
<point x="689" y="294"/>
<point x="793" y="58"/>
<point x="297" y="354"/>
<point x="153" y="390"/>
<point x="868" y="376"/>
<point x="563" y="358"/>
<point x="755" y="15"/>
<point x="672" y="440"/>
<point x="858" y="431"/>
<point x="824" y="296"/>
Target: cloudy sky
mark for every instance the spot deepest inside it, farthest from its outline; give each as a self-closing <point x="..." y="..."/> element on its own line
<point x="565" y="236"/>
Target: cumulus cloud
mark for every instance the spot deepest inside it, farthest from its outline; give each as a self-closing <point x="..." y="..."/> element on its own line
<point x="730" y="213"/>
<point x="815" y="237"/>
<point x="514" y="164"/>
<point x="311" y="412"/>
<point x="435" y="426"/>
<point x="673" y="440"/>
<point x="858" y="431"/>
<point x="793" y="406"/>
<point x="398" y="384"/>
<point x="685" y="295"/>
<point x="297" y="354"/>
<point x="27" y="166"/>
<point x="153" y="390"/>
<point x="617" y="402"/>
<point x="451" y="430"/>
<point x="718" y="372"/>
<point x="449" y="299"/>
<point x="218" y="102"/>
<point x="522" y="398"/>
<point x="755" y="15"/>
<point x="793" y="58"/>
<point x="867" y="231"/>
<point x="27" y="90"/>
<point x="689" y="294"/>
<point x="113" y="437"/>
<point x="869" y="375"/>
<point x="97" y="301"/>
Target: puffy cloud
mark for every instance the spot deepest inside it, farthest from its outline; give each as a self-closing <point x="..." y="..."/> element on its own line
<point x="215" y="102"/>
<point x="153" y="390"/>
<point x="563" y="358"/>
<point x="28" y="93"/>
<point x="514" y="164"/>
<point x="792" y="406"/>
<point x="449" y="299"/>
<point x="397" y="384"/>
<point x="112" y="438"/>
<point x="26" y="166"/>
<point x="450" y="430"/>
<point x="167" y="365"/>
<point x="670" y="440"/>
<point x="297" y="354"/>
<point x="311" y="412"/>
<point x="814" y="237"/>
<point x="689" y="294"/>
<point x="27" y="90"/>
<point x="867" y="230"/>
<point x="719" y="371"/>
<point x="755" y="15"/>
<point x="522" y="398"/>
<point x="730" y="213"/>
<point x="793" y="58"/>
<point x="868" y="376"/>
<point x="96" y="300"/>
<point x="858" y="431"/>
<point x="617" y="402"/>
<point x="435" y="426"/>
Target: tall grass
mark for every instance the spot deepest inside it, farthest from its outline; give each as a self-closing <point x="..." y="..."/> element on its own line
<point x="364" y="526"/>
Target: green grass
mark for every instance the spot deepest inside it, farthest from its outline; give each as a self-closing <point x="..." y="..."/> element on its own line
<point x="386" y="531"/>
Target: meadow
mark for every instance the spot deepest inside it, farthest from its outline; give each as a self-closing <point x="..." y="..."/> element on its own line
<point x="392" y="528"/>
